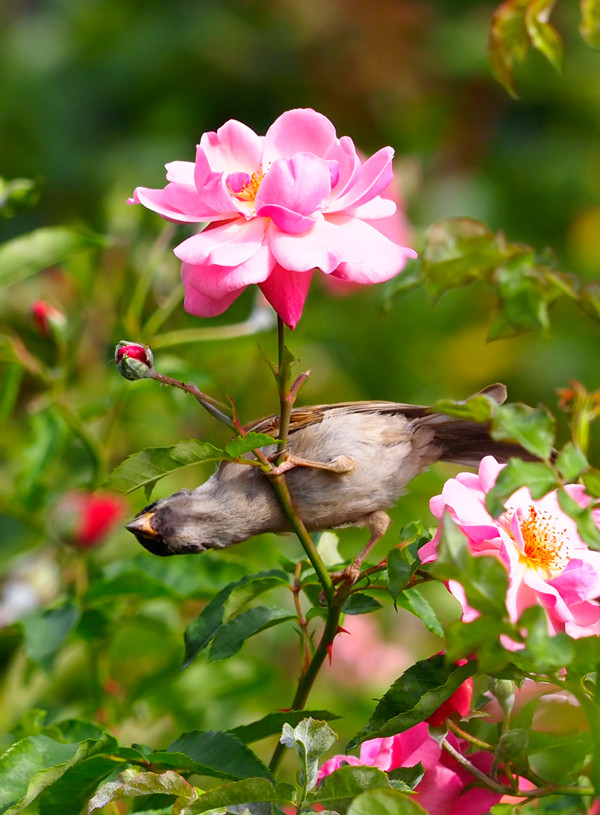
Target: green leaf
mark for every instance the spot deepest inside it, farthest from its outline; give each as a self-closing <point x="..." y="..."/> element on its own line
<point x="413" y="697"/>
<point x="46" y="630"/>
<point x="384" y="802"/>
<point x="587" y="655"/>
<point x="591" y="480"/>
<point x="412" y="600"/>
<point x="252" y="586"/>
<point x="38" y="250"/>
<point x="481" y="636"/>
<point x="533" y="428"/>
<point x="49" y="433"/>
<point x="310" y="739"/>
<point x="571" y="462"/>
<point x="231" y="636"/>
<point x="245" y="444"/>
<point x="484" y="579"/>
<point x="406" y="777"/>
<point x="337" y="790"/>
<point x="543" y="652"/>
<point x="16" y="195"/>
<point x="476" y="409"/>
<point x="543" y="36"/>
<point x="241" y="792"/>
<point x="458" y="251"/>
<point x="521" y="298"/>
<point x="538" y="478"/>
<point x="273" y="723"/>
<point x="508" y="41"/>
<point x="70" y="793"/>
<point x="148" y="466"/>
<point x="590" y="22"/>
<point x="132" y="782"/>
<point x="220" y="754"/>
<point x="399" y="572"/>
<point x="360" y="604"/>
<point x="34" y="763"/>
<point x="586" y="525"/>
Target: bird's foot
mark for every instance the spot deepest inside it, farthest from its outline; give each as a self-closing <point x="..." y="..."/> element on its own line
<point x="339" y="464"/>
<point x="378" y="523"/>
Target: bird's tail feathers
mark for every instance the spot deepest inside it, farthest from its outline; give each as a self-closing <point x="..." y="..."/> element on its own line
<point x="462" y="441"/>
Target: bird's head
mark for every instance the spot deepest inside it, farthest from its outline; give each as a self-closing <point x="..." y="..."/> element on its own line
<point x="171" y="526"/>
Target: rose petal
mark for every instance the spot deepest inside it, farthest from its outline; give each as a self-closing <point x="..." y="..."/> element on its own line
<point x="287" y="291"/>
<point x="300" y="183"/>
<point x="374" y="176"/>
<point x="369" y="256"/>
<point x="202" y="306"/>
<point x="181" y="172"/>
<point x="218" y="281"/>
<point x="302" y="130"/>
<point x="234" y="147"/>
<point x="225" y="244"/>
<point x="161" y="202"/>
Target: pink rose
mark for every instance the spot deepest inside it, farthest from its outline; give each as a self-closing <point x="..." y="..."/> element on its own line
<point x="446" y="788"/>
<point x="547" y="562"/>
<point x="278" y="206"/>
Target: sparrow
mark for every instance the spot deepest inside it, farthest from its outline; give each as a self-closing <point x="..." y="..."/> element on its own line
<point x="345" y="464"/>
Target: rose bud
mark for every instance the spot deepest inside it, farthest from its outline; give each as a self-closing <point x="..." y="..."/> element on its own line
<point x="134" y="361"/>
<point x="49" y="321"/>
<point x="87" y="518"/>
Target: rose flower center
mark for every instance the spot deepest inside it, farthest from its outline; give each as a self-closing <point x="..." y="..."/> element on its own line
<point x="544" y="545"/>
<point x="243" y="186"/>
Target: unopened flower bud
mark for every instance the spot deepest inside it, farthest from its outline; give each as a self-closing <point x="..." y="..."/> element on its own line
<point x="134" y="361"/>
<point x="504" y="691"/>
<point x="85" y="519"/>
<point x="49" y="321"/>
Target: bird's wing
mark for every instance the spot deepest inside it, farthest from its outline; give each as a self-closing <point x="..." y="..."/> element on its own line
<point x="314" y="414"/>
<point x="304" y="416"/>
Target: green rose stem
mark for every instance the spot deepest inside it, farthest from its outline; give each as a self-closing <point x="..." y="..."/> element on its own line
<point x="334" y="600"/>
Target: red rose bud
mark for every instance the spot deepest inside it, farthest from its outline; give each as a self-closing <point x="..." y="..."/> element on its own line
<point x="87" y="519"/>
<point x="459" y="703"/>
<point x="48" y="320"/>
<point x="134" y="361"/>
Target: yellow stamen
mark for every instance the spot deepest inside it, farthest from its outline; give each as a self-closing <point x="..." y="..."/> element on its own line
<point x="545" y="545"/>
<point x="249" y="190"/>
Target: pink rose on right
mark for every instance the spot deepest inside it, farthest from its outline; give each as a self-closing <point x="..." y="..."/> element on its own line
<point x="547" y="562"/>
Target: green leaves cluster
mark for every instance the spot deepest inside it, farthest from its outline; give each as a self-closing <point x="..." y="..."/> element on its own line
<point x="518" y="25"/>
<point x="460" y="251"/>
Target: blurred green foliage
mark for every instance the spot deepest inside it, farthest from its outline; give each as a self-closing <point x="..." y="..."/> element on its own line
<point x="96" y="97"/>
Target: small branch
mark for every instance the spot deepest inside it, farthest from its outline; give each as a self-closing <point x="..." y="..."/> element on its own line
<point x="302" y="622"/>
<point x="481" y="776"/>
<point x="216" y="409"/>
<point x="468" y="737"/>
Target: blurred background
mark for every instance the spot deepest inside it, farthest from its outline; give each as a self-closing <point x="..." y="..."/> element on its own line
<point x="95" y="97"/>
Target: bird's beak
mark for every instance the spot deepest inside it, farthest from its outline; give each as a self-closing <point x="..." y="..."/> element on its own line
<point x="142" y="526"/>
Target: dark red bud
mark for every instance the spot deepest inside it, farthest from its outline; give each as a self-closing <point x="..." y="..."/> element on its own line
<point x="134" y="361"/>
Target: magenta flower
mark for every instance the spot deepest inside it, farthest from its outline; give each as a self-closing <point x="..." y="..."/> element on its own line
<point x="278" y="206"/>
<point x="446" y="788"/>
<point x="547" y="562"/>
